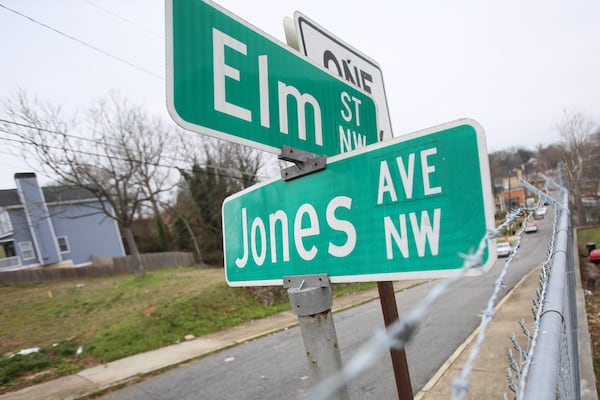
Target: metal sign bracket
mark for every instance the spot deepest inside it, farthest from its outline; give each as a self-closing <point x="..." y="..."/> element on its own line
<point x="305" y="163"/>
<point x="309" y="294"/>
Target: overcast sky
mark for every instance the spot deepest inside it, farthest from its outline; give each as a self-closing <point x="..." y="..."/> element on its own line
<point x="511" y="65"/>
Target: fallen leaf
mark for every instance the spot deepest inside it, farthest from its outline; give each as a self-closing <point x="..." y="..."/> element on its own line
<point x="149" y="310"/>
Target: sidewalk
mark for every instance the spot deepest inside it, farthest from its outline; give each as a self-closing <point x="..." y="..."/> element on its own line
<point x="488" y="379"/>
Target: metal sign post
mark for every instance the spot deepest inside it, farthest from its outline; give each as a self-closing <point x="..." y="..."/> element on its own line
<point x="344" y="60"/>
<point x="310" y="297"/>
<point x="387" y="297"/>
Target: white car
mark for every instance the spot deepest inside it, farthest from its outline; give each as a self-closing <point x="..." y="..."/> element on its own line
<point x="503" y="249"/>
<point x="531" y="227"/>
<point x="540" y="213"/>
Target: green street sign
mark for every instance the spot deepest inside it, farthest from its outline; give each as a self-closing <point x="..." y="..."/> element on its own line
<point x="227" y="79"/>
<point x="400" y="209"/>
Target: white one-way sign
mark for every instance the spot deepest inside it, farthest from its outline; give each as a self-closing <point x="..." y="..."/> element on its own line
<point x="342" y="59"/>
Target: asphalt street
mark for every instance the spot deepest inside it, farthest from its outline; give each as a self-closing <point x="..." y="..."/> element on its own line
<point x="275" y="366"/>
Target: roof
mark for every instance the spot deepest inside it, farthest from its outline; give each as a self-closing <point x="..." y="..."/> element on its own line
<point x="52" y="194"/>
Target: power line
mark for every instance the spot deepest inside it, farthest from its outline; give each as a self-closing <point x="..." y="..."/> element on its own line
<point x="98" y="142"/>
<point x="130" y="22"/>
<point x="45" y="146"/>
<point x="94" y="141"/>
<point x="224" y="174"/>
<point x="109" y="157"/>
<point x="106" y="53"/>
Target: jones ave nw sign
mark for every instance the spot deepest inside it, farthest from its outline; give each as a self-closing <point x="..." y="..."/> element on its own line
<point x="227" y="79"/>
<point x="401" y="209"/>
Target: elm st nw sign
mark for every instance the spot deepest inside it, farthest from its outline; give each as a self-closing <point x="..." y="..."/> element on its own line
<point x="227" y="79"/>
<point x="400" y="209"/>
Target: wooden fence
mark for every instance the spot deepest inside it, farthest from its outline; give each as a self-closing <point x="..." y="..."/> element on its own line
<point x="101" y="266"/>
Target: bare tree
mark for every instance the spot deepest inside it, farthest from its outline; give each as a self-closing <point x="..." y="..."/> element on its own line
<point x="548" y="157"/>
<point x="578" y="132"/>
<point x="119" y="158"/>
<point x="186" y="214"/>
<point x="218" y="170"/>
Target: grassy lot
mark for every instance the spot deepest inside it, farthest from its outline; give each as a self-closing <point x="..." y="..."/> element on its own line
<point x="585" y="235"/>
<point x="110" y="318"/>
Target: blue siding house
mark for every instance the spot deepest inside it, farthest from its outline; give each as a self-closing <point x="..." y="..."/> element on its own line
<point x="56" y="225"/>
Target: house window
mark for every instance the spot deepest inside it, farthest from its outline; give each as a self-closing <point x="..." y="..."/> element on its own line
<point x="63" y="244"/>
<point x="8" y="248"/>
<point x="5" y="225"/>
<point x="27" y="252"/>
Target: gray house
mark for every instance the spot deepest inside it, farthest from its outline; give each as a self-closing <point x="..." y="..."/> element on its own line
<point x="57" y="225"/>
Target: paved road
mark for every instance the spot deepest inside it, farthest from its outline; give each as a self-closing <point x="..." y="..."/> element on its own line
<point x="274" y="367"/>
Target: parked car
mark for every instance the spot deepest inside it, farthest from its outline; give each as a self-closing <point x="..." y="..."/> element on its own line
<point x="540" y="213"/>
<point x="531" y="227"/>
<point x="503" y="249"/>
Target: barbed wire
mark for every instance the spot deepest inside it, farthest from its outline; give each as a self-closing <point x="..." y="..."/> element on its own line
<point x="460" y="385"/>
<point x="398" y="334"/>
